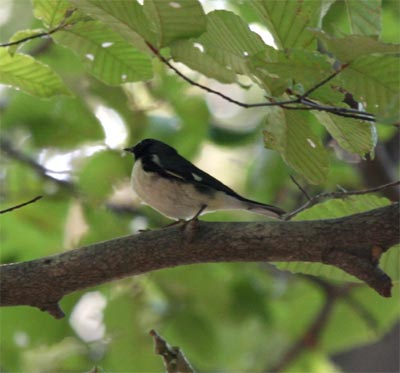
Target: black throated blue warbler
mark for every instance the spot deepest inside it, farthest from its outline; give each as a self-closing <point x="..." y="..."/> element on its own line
<point x="178" y="189"/>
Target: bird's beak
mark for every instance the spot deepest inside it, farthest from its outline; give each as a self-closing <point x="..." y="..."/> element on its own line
<point x="128" y="150"/>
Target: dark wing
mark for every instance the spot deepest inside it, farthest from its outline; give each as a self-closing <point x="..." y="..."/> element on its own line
<point x="175" y="166"/>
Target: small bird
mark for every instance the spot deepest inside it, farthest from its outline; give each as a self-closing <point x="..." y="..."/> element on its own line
<point x="179" y="190"/>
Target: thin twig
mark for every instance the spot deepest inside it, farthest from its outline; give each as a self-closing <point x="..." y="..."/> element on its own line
<point x="300" y="187"/>
<point x="62" y="24"/>
<point x="210" y="90"/>
<point x="334" y="195"/>
<point x="21" y="205"/>
<point x="307" y="103"/>
<point x="31" y="37"/>
<point x="343" y="112"/>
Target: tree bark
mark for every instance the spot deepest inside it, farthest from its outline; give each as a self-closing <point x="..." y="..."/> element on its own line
<point x="353" y="243"/>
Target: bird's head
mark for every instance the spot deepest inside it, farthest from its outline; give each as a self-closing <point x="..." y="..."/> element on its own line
<point x="149" y="147"/>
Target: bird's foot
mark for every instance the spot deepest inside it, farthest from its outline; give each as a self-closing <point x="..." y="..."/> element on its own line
<point x="196" y="217"/>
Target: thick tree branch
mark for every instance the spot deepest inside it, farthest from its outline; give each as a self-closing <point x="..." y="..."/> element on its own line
<point x="350" y="243"/>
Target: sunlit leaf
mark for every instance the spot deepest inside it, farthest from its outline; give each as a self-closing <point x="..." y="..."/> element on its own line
<point x="125" y="17"/>
<point x="25" y="73"/>
<point x="364" y="17"/>
<point x="175" y="19"/>
<point x="290" y="134"/>
<point x="229" y="41"/>
<point x="289" y="21"/>
<point x="106" y="54"/>
<point x="375" y="82"/>
<point x="355" y="136"/>
<point x="51" y="12"/>
<point x="192" y="54"/>
<point x="350" y="47"/>
<point x="279" y="70"/>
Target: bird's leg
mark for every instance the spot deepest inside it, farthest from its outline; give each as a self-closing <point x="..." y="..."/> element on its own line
<point x="202" y="208"/>
<point x="189" y="227"/>
<point x="186" y="222"/>
<point x="180" y="221"/>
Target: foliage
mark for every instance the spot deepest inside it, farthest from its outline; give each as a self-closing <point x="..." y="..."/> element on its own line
<point x="74" y="104"/>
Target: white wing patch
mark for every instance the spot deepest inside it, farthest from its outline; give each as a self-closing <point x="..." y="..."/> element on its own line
<point x="156" y="159"/>
<point x="174" y="174"/>
<point x="197" y="177"/>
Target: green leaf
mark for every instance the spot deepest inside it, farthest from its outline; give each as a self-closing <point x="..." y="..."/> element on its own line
<point x="175" y="19"/>
<point x="103" y="224"/>
<point x="353" y="135"/>
<point x="125" y="17"/>
<point x="336" y="208"/>
<point x="364" y="320"/>
<point x="364" y="17"/>
<point x="375" y="82"/>
<point x="62" y="122"/>
<point x="289" y="21"/>
<point x="192" y="54"/>
<point x="51" y="12"/>
<point x="25" y="73"/>
<point x="229" y="41"/>
<point x="351" y="47"/>
<point x="279" y="70"/>
<point x="22" y="34"/>
<point x="92" y="182"/>
<point x="290" y="134"/>
<point x="42" y="224"/>
<point x="105" y="53"/>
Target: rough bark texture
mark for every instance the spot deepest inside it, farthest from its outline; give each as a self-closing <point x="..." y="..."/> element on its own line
<point x="353" y="243"/>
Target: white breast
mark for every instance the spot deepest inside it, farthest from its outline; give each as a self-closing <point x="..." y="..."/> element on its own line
<point x="168" y="196"/>
<point x="174" y="198"/>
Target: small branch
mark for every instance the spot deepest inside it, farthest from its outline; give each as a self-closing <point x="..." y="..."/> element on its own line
<point x="63" y="24"/>
<point x="7" y="148"/>
<point x="174" y="359"/>
<point x="311" y="337"/>
<point x="326" y="80"/>
<point x="307" y="103"/>
<point x="210" y="90"/>
<point x="349" y="243"/>
<point x="334" y="195"/>
<point x="36" y="36"/>
<point x="342" y="112"/>
<point x="21" y="205"/>
<point x="362" y="311"/>
<point x="301" y="188"/>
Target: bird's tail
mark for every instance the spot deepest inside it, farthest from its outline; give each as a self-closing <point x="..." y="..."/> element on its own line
<point x="263" y="209"/>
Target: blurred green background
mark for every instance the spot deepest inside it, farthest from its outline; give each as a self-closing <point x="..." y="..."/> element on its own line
<point x="226" y="317"/>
